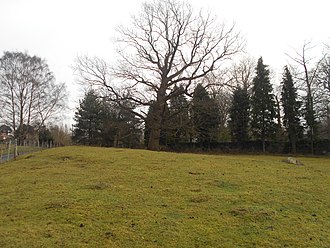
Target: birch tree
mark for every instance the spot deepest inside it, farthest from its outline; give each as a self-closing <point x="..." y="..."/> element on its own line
<point x="29" y="94"/>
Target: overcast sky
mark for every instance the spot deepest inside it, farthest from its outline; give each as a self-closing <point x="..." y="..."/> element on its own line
<point x="59" y="30"/>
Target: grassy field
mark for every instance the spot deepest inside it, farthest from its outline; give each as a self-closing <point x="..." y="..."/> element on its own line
<point x="96" y="197"/>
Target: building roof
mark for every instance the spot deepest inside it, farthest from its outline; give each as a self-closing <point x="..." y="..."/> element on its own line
<point x="5" y="129"/>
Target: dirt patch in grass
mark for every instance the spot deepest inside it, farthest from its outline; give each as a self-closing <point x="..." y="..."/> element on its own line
<point x="98" y="186"/>
<point x="200" y="199"/>
<point x="195" y="173"/>
<point x="225" y="185"/>
<point x="253" y="212"/>
<point x="196" y="190"/>
<point x="66" y="158"/>
<point x="29" y="156"/>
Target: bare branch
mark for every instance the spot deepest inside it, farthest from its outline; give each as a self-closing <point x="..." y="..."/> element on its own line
<point x="168" y="44"/>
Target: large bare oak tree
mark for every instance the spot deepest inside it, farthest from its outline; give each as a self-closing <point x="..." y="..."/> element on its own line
<point x="167" y="45"/>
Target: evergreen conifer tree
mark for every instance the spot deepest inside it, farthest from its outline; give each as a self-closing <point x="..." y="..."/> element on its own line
<point x="240" y="116"/>
<point x="291" y="108"/>
<point x="179" y="118"/>
<point x="88" y="117"/>
<point x="263" y="110"/>
<point x="100" y="122"/>
<point x="205" y="116"/>
<point x="121" y="128"/>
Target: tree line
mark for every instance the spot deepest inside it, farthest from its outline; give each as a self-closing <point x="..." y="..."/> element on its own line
<point x="254" y="112"/>
<point x="173" y="75"/>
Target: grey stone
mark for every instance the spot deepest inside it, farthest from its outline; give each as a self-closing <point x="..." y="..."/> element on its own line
<point x="291" y="160"/>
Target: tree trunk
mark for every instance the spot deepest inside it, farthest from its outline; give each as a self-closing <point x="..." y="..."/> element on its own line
<point x="153" y="143"/>
<point x="155" y="127"/>
<point x="328" y="121"/>
<point x="294" y="146"/>
<point x="312" y="140"/>
<point x="263" y="146"/>
<point x="22" y="131"/>
<point x="157" y="118"/>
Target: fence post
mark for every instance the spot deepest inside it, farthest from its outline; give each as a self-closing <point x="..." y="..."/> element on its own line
<point x="1" y="155"/>
<point x="15" y="149"/>
<point x="9" y="143"/>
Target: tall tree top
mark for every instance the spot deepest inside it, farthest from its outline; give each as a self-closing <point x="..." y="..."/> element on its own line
<point x="262" y="71"/>
<point x="200" y="93"/>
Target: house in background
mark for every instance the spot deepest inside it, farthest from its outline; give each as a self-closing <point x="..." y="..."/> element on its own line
<point x="5" y="133"/>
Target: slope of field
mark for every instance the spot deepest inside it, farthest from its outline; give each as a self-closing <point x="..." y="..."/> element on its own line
<point x="97" y="197"/>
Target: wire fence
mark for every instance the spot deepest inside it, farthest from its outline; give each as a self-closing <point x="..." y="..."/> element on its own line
<point x="10" y="150"/>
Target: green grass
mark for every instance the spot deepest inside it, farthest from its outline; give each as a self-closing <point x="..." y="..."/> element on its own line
<point x="96" y="197"/>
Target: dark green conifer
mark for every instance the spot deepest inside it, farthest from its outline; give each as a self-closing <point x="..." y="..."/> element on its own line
<point x="263" y="110"/>
<point x="88" y="117"/>
<point x="240" y="116"/>
<point x="205" y="117"/>
<point x="291" y="108"/>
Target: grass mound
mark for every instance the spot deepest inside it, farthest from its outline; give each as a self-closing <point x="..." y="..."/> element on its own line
<point x="97" y="197"/>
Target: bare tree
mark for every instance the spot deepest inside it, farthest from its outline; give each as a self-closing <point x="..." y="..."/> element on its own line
<point x="168" y="45"/>
<point x="306" y="74"/>
<point x="29" y="95"/>
<point x="51" y="101"/>
<point x="223" y="100"/>
<point x="323" y="79"/>
<point x="241" y="74"/>
<point x="61" y="135"/>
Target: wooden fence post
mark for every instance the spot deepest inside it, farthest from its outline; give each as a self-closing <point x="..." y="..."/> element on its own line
<point x="9" y="144"/>
<point x="15" y="149"/>
<point x="1" y="155"/>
